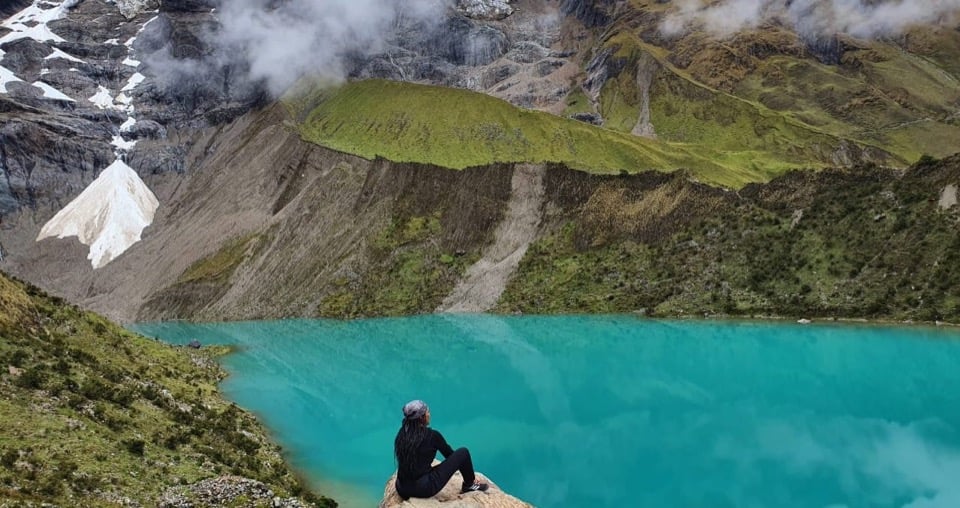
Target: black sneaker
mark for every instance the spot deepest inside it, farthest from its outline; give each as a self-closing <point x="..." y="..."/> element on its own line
<point x="476" y="487"/>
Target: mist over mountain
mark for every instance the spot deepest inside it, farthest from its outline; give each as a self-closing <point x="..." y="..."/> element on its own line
<point x="859" y="18"/>
<point x="282" y="41"/>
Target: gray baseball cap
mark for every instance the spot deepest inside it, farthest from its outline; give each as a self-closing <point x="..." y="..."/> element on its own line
<point x="415" y="409"/>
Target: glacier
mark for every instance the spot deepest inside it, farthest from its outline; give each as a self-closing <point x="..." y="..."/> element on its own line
<point x="108" y="216"/>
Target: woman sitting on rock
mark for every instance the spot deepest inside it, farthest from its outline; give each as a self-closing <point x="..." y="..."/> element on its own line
<point x="415" y="448"/>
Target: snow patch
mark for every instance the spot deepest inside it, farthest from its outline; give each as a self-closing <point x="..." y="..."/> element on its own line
<point x="123" y="144"/>
<point x="112" y="42"/>
<point x="31" y="23"/>
<point x="129" y="42"/>
<point x="6" y="76"/>
<point x="60" y="54"/>
<point x="132" y="83"/>
<point x="131" y="62"/>
<point x="144" y="27"/>
<point x="109" y="215"/>
<point x="44" y="71"/>
<point x="51" y="92"/>
<point x="128" y="124"/>
<point x="102" y="99"/>
<point x="123" y="99"/>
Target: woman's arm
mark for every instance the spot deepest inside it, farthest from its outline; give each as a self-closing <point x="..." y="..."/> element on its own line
<point x="441" y="444"/>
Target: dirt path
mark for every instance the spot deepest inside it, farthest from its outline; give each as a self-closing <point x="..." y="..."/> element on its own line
<point x="485" y="281"/>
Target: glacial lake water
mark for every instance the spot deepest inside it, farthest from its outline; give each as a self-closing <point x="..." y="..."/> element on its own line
<point x="613" y="411"/>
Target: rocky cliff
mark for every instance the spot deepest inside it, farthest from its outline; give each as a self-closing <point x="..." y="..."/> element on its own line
<point x="293" y="229"/>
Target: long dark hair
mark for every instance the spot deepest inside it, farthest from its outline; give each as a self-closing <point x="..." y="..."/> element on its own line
<point x="411" y="434"/>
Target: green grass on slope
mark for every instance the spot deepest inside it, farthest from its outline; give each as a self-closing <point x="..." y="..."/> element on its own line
<point x="457" y="129"/>
<point x="92" y="414"/>
<point x="787" y="107"/>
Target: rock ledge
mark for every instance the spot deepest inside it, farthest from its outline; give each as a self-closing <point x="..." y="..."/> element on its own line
<point x="450" y="497"/>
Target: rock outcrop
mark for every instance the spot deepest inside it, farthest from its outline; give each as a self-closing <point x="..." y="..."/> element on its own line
<point x="450" y="497"/>
<point x="485" y="9"/>
<point x="489" y="46"/>
<point x="226" y="491"/>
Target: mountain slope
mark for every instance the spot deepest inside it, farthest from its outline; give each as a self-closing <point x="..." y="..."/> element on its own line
<point x="400" y="122"/>
<point x="96" y="416"/>
<point x="367" y="218"/>
<point x="891" y="98"/>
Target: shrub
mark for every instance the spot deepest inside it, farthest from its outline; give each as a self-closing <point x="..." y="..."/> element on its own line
<point x="9" y="458"/>
<point x="32" y="378"/>
<point x="135" y="446"/>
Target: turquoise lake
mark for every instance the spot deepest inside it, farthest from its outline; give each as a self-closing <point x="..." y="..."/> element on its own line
<point x="613" y="411"/>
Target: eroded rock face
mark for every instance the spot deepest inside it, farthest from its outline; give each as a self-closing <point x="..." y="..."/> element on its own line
<point x="485" y="9"/>
<point x="131" y="8"/>
<point x="485" y="46"/>
<point x="52" y="146"/>
<point x="482" y="45"/>
<point x="591" y="12"/>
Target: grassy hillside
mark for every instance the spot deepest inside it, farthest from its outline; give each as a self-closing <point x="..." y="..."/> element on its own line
<point x="733" y="111"/>
<point x="769" y="90"/>
<point x="93" y="415"/>
<point x="457" y="129"/>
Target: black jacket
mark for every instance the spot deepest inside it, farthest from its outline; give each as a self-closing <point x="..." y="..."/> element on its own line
<point x="424" y="459"/>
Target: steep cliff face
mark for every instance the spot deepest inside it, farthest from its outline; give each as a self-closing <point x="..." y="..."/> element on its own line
<point x="76" y="100"/>
<point x="288" y="228"/>
<point x="85" y="83"/>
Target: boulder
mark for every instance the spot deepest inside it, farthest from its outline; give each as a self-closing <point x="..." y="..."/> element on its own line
<point x="485" y="9"/>
<point x="450" y="496"/>
<point x="131" y="8"/>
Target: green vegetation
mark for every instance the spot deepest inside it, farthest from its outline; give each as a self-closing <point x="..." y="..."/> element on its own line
<point x="853" y="245"/>
<point x="409" y="273"/>
<point x="219" y="266"/>
<point x="93" y="414"/>
<point x="761" y="99"/>
<point x="733" y="110"/>
<point x="457" y="129"/>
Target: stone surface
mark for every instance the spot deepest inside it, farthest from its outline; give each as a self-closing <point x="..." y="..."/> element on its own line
<point x="450" y="496"/>
<point x="131" y="8"/>
<point x="485" y="9"/>
<point x="233" y="491"/>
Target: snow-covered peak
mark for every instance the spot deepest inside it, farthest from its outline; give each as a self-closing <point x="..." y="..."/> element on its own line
<point x="109" y="215"/>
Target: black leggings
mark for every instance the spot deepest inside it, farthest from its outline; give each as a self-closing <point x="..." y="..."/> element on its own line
<point x="429" y="484"/>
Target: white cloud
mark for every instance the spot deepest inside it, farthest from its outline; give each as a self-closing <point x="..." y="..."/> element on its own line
<point x="859" y="18"/>
<point x="282" y="43"/>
